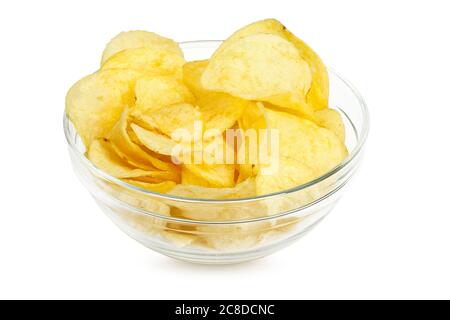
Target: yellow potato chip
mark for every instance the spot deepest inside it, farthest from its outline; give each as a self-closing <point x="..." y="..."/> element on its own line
<point x="219" y="110"/>
<point x="95" y="103"/>
<point x="154" y="141"/>
<point x="138" y="39"/>
<point x="136" y="199"/>
<point x="170" y="118"/>
<point x="213" y="175"/>
<point x="252" y="122"/>
<point x="140" y="222"/>
<point x="332" y="120"/>
<point x="180" y="239"/>
<point x="130" y="151"/>
<point x="245" y="172"/>
<point x="306" y="151"/>
<point x="291" y="173"/>
<point x="103" y="157"/>
<point x="317" y="96"/>
<point x="262" y="67"/>
<point x="189" y="178"/>
<point x="301" y="139"/>
<point x="160" y="187"/>
<point x="254" y="117"/>
<point x="217" y="211"/>
<point x="242" y="190"/>
<point x="192" y="74"/>
<point x="153" y="93"/>
<point x="155" y="61"/>
<point x="159" y="176"/>
<point x="233" y="237"/>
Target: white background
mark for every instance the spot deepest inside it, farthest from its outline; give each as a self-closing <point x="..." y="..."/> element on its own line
<point x="388" y="237"/>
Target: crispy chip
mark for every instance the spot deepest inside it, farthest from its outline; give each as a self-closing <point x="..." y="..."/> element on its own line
<point x="219" y="110"/>
<point x="154" y="141"/>
<point x="253" y="120"/>
<point x="160" y="187"/>
<point x="302" y="139"/>
<point x="153" y="93"/>
<point x="103" y="157"/>
<point x="213" y="175"/>
<point x="180" y="239"/>
<point x="307" y="151"/>
<point x="170" y="118"/>
<point x="130" y="151"/>
<point x="95" y="103"/>
<point x="189" y="178"/>
<point x="159" y="176"/>
<point x="262" y="67"/>
<point x="219" y="211"/>
<point x="192" y="74"/>
<point x="317" y="96"/>
<point x="152" y="61"/>
<point x="234" y="237"/>
<point x="332" y="120"/>
<point x="242" y="190"/>
<point x="291" y="173"/>
<point x="138" y="39"/>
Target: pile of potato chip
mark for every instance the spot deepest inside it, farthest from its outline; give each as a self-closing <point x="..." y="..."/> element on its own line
<point x="261" y="77"/>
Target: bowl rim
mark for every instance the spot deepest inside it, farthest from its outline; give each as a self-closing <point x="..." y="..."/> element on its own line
<point x="361" y="139"/>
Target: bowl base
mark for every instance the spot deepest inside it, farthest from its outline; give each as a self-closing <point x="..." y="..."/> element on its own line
<point x="222" y="258"/>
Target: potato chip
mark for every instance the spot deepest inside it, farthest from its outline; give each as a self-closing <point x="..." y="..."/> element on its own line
<point x="217" y="211"/>
<point x="291" y="173"/>
<point x="213" y="175"/>
<point x="138" y="39"/>
<point x="192" y="74"/>
<point x="302" y="139"/>
<point x="152" y="61"/>
<point x="159" y="176"/>
<point x="219" y="110"/>
<point x="245" y="171"/>
<point x="180" y="239"/>
<point x="317" y="96"/>
<point x="242" y="190"/>
<point x="95" y="103"/>
<point x="332" y="120"/>
<point x="170" y="118"/>
<point x="153" y="93"/>
<point x="262" y="67"/>
<point x="254" y="117"/>
<point x="253" y="120"/>
<point x="233" y="237"/>
<point x="160" y="187"/>
<point x="189" y="178"/>
<point x="135" y="199"/>
<point x="140" y="222"/>
<point x="103" y="157"/>
<point x="130" y="151"/>
<point x="306" y="151"/>
<point x="154" y="141"/>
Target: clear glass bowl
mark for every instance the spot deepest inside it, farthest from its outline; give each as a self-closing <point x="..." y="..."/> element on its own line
<point x="226" y="231"/>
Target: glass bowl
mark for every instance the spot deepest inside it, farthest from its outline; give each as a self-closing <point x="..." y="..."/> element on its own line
<point x="226" y="231"/>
